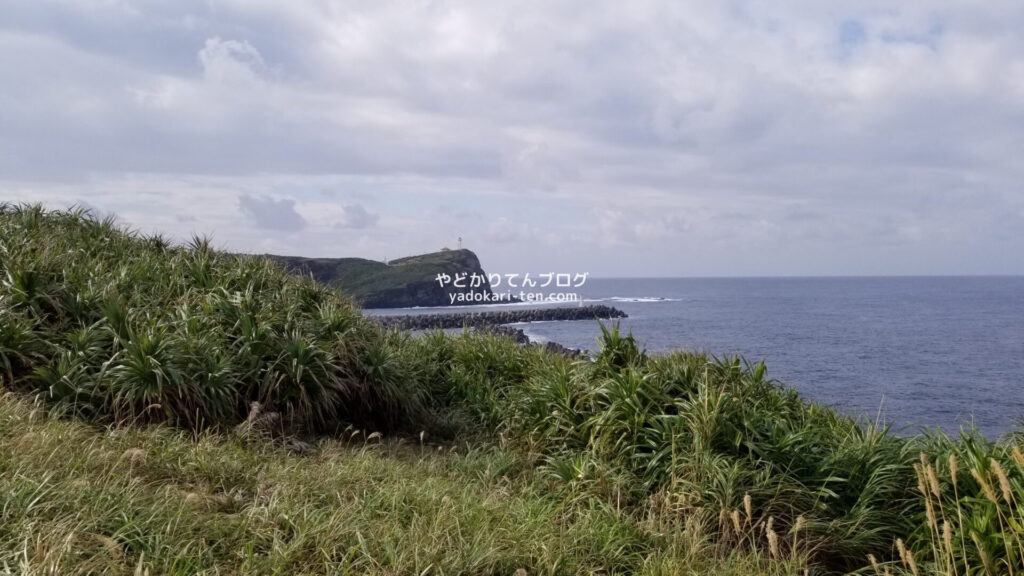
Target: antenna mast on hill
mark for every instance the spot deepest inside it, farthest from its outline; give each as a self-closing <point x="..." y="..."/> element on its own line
<point x="460" y="242"/>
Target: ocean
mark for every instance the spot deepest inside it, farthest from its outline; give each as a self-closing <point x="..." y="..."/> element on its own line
<point x="916" y="352"/>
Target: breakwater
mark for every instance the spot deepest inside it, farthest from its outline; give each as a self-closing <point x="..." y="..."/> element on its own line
<point x="496" y="317"/>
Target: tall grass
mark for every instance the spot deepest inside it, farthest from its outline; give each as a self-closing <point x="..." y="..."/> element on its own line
<point x="697" y="435"/>
<point x="971" y="491"/>
<point x="152" y="500"/>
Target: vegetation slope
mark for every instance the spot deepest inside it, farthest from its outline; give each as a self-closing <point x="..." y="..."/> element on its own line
<point x="133" y="369"/>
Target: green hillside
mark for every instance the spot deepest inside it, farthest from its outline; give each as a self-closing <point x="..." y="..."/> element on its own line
<point x="172" y="409"/>
<point x="401" y="283"/>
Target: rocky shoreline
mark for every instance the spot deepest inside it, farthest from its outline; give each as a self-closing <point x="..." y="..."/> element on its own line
<point x="495" y="321"/>
<point x="520" y="337"/>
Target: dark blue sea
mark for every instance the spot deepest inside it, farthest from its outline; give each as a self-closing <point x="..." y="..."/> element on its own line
<point x="921" y="352"/>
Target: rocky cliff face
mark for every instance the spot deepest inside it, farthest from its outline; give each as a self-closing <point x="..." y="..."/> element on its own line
<point x="402" y="283"/>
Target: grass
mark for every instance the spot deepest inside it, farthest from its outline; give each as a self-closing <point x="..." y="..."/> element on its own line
<point x="128" y="440"/>
<point x="77" y="499"/>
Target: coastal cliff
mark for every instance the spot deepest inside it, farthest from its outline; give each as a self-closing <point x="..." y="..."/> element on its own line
<point x="401" y="283"/>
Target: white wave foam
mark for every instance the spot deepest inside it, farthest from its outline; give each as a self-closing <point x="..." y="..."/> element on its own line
<point x="639" y="299"/>
<point x="536" y="338"/>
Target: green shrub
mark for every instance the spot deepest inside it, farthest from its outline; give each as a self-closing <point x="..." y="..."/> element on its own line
<point x="125" y="328"/>
<point x="716" y="435"/>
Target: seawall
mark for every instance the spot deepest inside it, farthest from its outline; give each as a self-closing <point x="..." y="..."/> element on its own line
<point x="495" y="317"/>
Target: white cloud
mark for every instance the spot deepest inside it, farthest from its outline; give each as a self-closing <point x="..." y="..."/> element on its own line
<point x="503" y="231"/>
<point x="232" y="62"/>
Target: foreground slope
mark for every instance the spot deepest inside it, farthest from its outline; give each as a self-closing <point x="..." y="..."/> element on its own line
<point x="497" y="457"/>
<point x="77" y="500"/>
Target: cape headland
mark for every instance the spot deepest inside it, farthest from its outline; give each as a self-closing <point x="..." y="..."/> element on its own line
<point x="404" y="282"/>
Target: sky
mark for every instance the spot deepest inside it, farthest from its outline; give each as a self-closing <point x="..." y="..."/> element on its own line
<point x="640" y="138"/>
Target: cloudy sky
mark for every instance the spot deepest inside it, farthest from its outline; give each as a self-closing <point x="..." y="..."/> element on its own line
<point x="641" y="138"/>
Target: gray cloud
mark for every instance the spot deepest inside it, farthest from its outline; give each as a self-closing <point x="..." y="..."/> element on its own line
<point x="269" y="213"/>
<point x="356" y="216"/>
